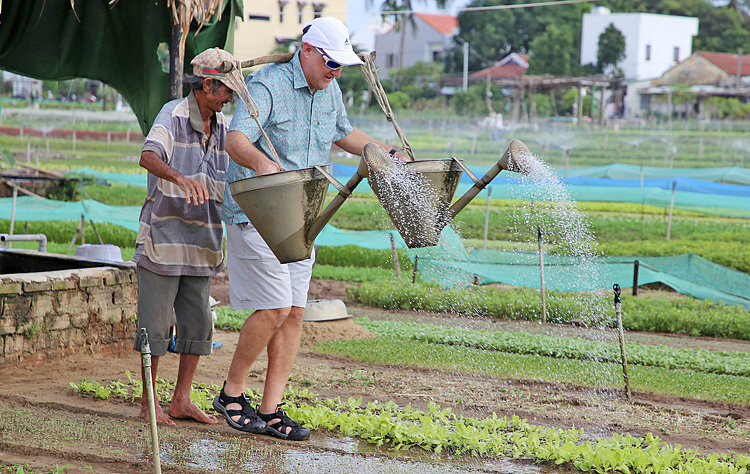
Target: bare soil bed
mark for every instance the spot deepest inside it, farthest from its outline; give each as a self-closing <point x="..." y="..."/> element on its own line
<point x="90" y="434"/>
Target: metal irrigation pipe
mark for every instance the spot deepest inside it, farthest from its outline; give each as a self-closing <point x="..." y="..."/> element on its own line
<point x="146" y="352"/>
<point x="41" y="238"/>
<point x="621" y="334"/>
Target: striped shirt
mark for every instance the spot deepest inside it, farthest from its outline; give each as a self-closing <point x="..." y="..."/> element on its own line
<point x="301" y="125"/>
<point x="174" y="237"/>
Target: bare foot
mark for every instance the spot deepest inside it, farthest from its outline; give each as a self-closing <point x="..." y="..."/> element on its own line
<point x="190" y="410"/>
<point x="161" y="417"/>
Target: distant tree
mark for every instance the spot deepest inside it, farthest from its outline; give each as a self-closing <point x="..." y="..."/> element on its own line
<point x="553" y="52"/>
<point x="611" y="48"/>
<point x="420" y="81"/>
<point x="493" y="34"/>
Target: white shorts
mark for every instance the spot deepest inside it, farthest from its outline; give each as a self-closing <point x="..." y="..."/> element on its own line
<point x="257" y="280"/>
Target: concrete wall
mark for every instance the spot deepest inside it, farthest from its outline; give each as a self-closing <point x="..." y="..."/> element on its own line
<point x="52" y="314"/>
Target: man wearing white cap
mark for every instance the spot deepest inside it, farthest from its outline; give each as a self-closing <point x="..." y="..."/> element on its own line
<point x="178" y="246"/>
<point x="302" y="112"/>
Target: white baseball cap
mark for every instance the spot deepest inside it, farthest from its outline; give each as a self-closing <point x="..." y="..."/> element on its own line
<point x="331" y="35"/>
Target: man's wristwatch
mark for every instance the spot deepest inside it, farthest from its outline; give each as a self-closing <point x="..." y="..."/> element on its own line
<point x="392" y="152"/>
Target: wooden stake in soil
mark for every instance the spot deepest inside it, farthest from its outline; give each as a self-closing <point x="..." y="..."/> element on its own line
<point x="487" y="216"/>
<point x="621" y="333"/>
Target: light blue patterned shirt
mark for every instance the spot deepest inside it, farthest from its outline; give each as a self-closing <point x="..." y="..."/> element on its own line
<point x="301" y="125"/>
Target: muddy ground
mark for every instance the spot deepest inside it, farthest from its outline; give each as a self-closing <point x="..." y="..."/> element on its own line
<point x="44" y="423"/>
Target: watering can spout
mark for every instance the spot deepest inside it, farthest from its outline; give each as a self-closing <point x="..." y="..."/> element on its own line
<point x="517" y="157"/>
<point x="345" y="192"/>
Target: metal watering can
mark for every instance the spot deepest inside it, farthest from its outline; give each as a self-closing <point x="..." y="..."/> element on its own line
<point x="423" y="228"/>
<point x="287" y="207"/>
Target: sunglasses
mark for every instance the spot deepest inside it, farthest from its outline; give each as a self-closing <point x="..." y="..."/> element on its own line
<point x="330" y="63"/>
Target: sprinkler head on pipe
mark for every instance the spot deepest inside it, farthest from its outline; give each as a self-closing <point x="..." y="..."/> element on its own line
<point x="518" y="158"/>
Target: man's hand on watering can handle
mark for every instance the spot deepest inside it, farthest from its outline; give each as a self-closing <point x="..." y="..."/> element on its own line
<point x="401" y="156"/>
<point x="267" y="167"/>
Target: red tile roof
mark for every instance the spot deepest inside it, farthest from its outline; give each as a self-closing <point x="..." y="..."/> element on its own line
<point x="727" y="62"/>
<point x="443" y="24"/>
<point x="505" y="68"/>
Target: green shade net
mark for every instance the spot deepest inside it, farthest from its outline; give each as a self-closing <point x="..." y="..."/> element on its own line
<point x="117" y="45"/>
<point x="450" y="264"/>
<point x="33" y="209"/>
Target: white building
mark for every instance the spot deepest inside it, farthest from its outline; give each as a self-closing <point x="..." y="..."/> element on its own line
<point x="426" y="41"/>
<point x="653" y="44"/>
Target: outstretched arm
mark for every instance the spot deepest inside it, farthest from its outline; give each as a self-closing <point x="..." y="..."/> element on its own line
<point x="356" y="141"/>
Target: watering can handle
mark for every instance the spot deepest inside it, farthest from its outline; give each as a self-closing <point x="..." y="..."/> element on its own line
<point x="339" y="187"/>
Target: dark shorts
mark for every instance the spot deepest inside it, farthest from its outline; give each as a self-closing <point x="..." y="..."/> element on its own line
<point x="180" y="301"/>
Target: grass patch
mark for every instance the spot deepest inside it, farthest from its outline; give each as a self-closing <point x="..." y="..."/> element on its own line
<point x="589" y="373"/>
<point x="684" y="316"/>
<point x="717" y="362"/>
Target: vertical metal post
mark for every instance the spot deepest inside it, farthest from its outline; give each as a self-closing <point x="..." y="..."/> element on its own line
<point x="395" y="257"/>
<point x="414" y="274"/>
<point x="621" y="333"/>
<point x="671" y="208"/>
<point x="146" y="352"/>
<point x="83" y="230"/>
<point x="487" y="216"/>
<point x="636" y="264"/>
<point x="541" y="272"/>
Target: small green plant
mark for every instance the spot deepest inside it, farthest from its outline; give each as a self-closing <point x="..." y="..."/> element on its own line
<point x="31" y="331"/>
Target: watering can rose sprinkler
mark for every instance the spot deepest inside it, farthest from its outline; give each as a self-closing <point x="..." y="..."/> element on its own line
<point x="441" y="177"/>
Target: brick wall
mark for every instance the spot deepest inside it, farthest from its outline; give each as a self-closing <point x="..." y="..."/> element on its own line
<point x="52" y="314"/>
